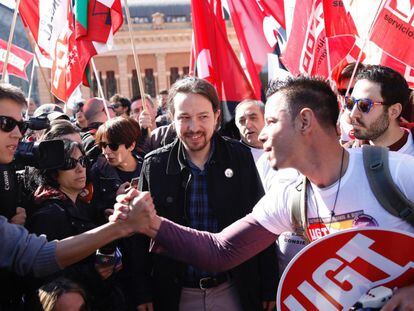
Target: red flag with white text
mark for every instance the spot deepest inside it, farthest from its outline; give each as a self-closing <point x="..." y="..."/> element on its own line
<point x="393" y="30"/>
<point x="17" y="62"/>
<point x="315" y="22"/>
<point x="214" y="57"/>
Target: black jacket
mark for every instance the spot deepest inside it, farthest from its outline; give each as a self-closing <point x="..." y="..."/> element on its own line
<point x="231" y="196"/>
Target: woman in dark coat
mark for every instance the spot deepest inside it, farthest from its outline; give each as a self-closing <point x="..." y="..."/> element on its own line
<point x="60" y="213"/>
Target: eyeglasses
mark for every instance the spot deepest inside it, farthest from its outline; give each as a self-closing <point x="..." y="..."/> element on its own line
<point x="115" y="106"/>
<point x="7" y="124"/>
<point x="363" y="104"/>
<point x="112" y="146"/>
<point x="71" y="163"/>
<point x="342" y="92"/>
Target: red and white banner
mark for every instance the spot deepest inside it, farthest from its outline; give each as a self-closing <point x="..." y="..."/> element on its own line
<point x="214" y="56"/>
<point x="17" y="62"/>
<point x="393" y="30"/>
<point x="334" y="272"/>
<point x="315" y="22"/>
<point x="257" y="30"/>
<point x="406" y="71"/>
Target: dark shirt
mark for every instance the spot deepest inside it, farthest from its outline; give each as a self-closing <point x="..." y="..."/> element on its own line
<point x="127" y="176"/>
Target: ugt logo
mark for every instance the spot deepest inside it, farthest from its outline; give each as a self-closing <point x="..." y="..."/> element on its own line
<point x="403" y="9"/>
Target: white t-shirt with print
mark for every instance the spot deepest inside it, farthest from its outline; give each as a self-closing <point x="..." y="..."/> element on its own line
<point x="356" y="205"/>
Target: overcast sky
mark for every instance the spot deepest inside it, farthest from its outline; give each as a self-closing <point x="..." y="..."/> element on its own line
<point x="9" y="3"/>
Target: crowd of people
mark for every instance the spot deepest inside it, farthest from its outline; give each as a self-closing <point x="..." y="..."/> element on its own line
<point x="206" y="209"/>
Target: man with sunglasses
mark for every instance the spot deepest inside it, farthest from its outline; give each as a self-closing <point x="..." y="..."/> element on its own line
<point x="300" y="132"/>
<point x="121" y="105"/>
<point x="378" y="99"/>
<point x="25" y="253"/>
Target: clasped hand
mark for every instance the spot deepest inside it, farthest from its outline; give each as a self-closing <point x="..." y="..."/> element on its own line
<point x="136" y="209"/>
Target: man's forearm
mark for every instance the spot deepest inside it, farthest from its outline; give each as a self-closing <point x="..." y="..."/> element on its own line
<point x="75" y="248"/>
<point x="213" y="252"/>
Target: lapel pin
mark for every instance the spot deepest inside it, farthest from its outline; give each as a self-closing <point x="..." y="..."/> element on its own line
<point x="228" y="173"/>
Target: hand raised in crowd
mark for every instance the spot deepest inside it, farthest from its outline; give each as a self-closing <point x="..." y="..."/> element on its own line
<point x="20" y="217"/>
<point x="137" y="210"/>
<point x="145" y="307"/>
<point x="145" y="120"/>
<point x="403" y="300"/>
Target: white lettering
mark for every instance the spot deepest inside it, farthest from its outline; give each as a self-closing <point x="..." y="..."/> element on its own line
<point x="270" y="30"/>
<point x="341" y="282"/>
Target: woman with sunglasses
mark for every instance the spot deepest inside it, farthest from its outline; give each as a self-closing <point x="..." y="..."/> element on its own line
<point x="115" y="170"/>
<point x="59" y="212"/>
<point x="119" y="164"/>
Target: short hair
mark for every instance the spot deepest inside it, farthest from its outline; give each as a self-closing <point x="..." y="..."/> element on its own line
<point x="347" y="71"/>
<point x="124" y="101"/>
<point x="59" y="128"/>
<point x="147" y="98"/>
<point x="50" y="292"/>
<point x="257" y="103"/>
<point x="119" y="130"/>
<point x="193" y="85"/>
<point x="11" y="92"/>
<point x="308" y="92"/>
<point x="394" y="88"/>
<point x="92" y="107"/>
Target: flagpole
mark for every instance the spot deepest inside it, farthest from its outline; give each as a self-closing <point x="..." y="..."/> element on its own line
<point x="136" y="61"/>
<point x="381" y="5"/>
<point x="30" y="89"/>
<point x="100" y="90"/>
<point x="9" y="43"/>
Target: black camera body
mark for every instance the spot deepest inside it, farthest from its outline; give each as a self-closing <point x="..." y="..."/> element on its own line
<point x="13" y="186"/>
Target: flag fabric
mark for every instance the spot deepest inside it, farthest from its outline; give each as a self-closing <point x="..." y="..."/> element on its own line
<point x="70" y="60"/>
<point x="60" y="28"/>
<point x="315" y="23"/>
<point x="214" y="57"/>
<point x="257" y="30"/>
<point x="17" y="62"/>
<point x="276" y="8"/>
<point x="393" y="30"/>
<point x="405" y="70"/>
<point x="96" y="20"/>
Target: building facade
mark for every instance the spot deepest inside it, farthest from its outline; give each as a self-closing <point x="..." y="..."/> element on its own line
<point x="162" y="33"/>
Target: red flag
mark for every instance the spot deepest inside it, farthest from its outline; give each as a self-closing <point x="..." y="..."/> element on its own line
<point x="215" y="59"/>
<point x="276" y="9"/>
<point x="393" y="30"/>
<point x="96" y="19"/>
<point x="257" y="29"/>
<point x="392" y="62"/>
<point x="18" y="60"/>
<point x="315" y="22"/>
<point x="70" y="60"/>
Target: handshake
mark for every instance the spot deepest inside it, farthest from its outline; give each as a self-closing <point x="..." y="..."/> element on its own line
<point x="136" y="210"/>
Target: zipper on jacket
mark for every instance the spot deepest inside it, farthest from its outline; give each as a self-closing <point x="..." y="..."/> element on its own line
<point x="185" y="199"/>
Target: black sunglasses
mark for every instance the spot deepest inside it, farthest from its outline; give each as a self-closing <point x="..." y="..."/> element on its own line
<point x="7" y="124"/>
<point x="342" y="92"/>
<point x="115" y="106"/>
<point x="112" y="146"/>
<point x="71" y="163"/>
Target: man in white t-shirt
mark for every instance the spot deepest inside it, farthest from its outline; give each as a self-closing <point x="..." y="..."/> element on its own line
<point x="300" y="132"/>
<point x="378" y="99"/>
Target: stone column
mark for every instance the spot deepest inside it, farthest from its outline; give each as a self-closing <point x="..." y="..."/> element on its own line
<point x="161" y="71"/>
<point x="124" y="88"/>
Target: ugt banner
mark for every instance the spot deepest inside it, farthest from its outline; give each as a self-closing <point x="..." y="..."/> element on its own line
<point x="336" y="271"/>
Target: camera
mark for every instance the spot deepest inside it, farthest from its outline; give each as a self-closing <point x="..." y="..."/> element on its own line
<point x="13" y="188"/>
<point x="38" y="123"/>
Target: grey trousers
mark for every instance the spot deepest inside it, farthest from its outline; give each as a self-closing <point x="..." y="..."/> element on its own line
<point x="221" y="298"/>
